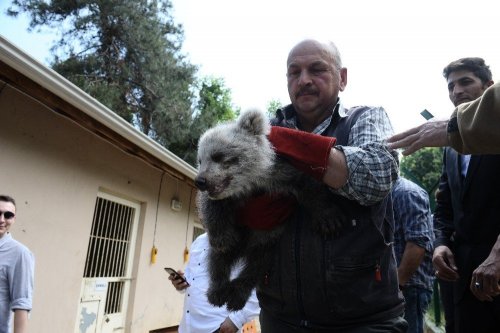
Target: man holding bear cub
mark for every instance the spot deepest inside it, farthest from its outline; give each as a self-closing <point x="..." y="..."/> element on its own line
<point x="347" y="282"/>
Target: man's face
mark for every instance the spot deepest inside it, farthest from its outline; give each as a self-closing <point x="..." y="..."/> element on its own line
<point x="464" y="86"/>
<point x="314" y="82"/>
<point x="6" y="208"/>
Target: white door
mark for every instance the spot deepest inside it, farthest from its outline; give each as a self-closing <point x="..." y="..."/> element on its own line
<point x="107" y="275"/>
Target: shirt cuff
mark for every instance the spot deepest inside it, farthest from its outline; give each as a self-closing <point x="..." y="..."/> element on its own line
<point x="21" y="304"/>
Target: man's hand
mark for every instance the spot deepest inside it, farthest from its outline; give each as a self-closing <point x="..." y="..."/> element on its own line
<point x="485" y="279"/>
<point x="228" y="326"/>
<point x="429" y="134"/>
<point x="178" y="283"/>
<point x="443" y="261"/>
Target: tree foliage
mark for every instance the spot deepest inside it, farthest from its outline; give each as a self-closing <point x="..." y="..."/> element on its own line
<point x="272" y="107"/>
<point x="213" y="106"/>
<point x="424" y="168"/>
<point x="127" y="54"/>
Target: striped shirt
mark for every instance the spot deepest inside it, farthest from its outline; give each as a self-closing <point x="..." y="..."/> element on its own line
<point x="413" y="223"/>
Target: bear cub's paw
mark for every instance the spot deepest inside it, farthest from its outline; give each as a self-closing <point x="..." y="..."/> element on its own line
<point x="217" y="295"/>
<point x="239" y="294"/>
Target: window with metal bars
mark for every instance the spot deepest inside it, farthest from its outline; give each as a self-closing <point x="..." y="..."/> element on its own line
<point x="109" y="240"/>
<point x="114" y="297"/>
<point x="108" y="248"/>
<point x="197" y="231"/>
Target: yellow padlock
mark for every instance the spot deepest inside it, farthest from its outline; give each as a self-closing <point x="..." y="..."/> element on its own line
<point x="186" y="254"/>
<point x="154" y="252"/>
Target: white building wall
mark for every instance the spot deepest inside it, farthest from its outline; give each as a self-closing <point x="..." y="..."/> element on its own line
<point x="54" y="169"/>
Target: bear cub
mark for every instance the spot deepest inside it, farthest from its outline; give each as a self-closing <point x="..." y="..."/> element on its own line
<point x="235" y="162"/>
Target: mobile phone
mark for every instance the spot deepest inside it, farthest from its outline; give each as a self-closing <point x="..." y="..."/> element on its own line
<point x="176" y="275"/>
<point x="426" y="114"/>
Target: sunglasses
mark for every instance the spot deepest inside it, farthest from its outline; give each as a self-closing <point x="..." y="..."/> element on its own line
<point x="8" y="215"/>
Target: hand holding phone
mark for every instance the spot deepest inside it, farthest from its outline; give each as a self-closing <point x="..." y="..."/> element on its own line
<point x="176" y="276"/>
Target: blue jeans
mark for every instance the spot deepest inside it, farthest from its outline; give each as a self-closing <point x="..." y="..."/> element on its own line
<point x="417" y="301"/>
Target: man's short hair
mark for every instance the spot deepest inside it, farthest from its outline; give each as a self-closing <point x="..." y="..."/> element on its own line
<point x="7" y="198"/>
<point x="473" y="64"/>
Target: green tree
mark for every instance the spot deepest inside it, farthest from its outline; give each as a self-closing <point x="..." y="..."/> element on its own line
<point x="214" y="105"/>
<point x="424" y="168"/>
<point x="272" y="106"/>
<point x="126" y="54"/>
<point x="214" y="102"/>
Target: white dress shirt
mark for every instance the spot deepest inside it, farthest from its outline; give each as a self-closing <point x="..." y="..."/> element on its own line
<point x="199" y="315"/>
<point x="464" y="161"/>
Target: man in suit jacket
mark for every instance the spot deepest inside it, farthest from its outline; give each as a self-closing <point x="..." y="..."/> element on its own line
<point x="467" y="216"/>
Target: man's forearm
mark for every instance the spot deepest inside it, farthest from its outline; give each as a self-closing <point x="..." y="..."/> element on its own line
<point x="20" y="321"/>
<point x="336" y="174"/>
<point x="412" y="257"/>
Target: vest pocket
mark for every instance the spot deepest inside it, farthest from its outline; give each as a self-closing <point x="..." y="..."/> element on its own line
<point x="270" y="288"/>
<point x="350" y="283"/>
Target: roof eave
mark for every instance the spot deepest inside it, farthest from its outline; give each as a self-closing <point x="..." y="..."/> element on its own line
<point x="66" y="91"/>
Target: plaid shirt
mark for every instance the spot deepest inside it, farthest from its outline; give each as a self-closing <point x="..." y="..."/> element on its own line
<point x="413" y="223"/>
<point x="372" y="168"/>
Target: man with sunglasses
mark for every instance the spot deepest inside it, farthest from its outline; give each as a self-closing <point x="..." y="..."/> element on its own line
<point x="16" y="272"/>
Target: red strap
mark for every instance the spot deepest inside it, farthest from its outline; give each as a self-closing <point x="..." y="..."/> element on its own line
<point x="266" y="211"/>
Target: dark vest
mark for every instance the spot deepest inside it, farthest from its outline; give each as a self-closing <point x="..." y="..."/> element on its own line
<point x="343" y="281"/>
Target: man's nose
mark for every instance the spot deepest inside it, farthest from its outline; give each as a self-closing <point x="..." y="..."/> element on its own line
<point x="305" y="78"/>
<point x="457" y="90"/>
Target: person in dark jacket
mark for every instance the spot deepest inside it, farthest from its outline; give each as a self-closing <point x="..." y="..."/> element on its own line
<point x="347" y="282"/>
<point x="467" y="227"/>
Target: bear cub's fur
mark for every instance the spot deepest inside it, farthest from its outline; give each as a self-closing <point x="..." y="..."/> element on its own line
<point x="236" y="161"/>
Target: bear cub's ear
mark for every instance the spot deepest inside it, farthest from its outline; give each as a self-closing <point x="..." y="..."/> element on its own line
<point x="255" y="122"/>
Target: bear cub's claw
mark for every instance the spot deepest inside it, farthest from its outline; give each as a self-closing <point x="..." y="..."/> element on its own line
<point x="217" y="296"/>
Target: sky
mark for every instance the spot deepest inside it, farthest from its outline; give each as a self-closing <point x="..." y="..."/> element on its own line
<point x="394" y="50"/>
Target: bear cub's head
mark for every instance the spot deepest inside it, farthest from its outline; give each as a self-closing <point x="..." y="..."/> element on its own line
<point x="234" y="158"/>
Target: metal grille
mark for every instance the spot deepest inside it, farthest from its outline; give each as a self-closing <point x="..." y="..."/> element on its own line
<point x="109" y="240"/>
<point x="114" y="298"/>
<point x="108" y="248"/>
<point x="197" y="231"/>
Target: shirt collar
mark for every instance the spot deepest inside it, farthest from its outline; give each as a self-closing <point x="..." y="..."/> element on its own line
<point x="289" y="116"/>
<point x="7" y="237"/>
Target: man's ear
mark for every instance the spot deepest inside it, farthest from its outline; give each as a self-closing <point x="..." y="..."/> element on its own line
<point x="343" y="78"/>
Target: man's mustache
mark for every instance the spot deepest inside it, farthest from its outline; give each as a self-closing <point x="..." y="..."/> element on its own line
<point x="306" y="91"/>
